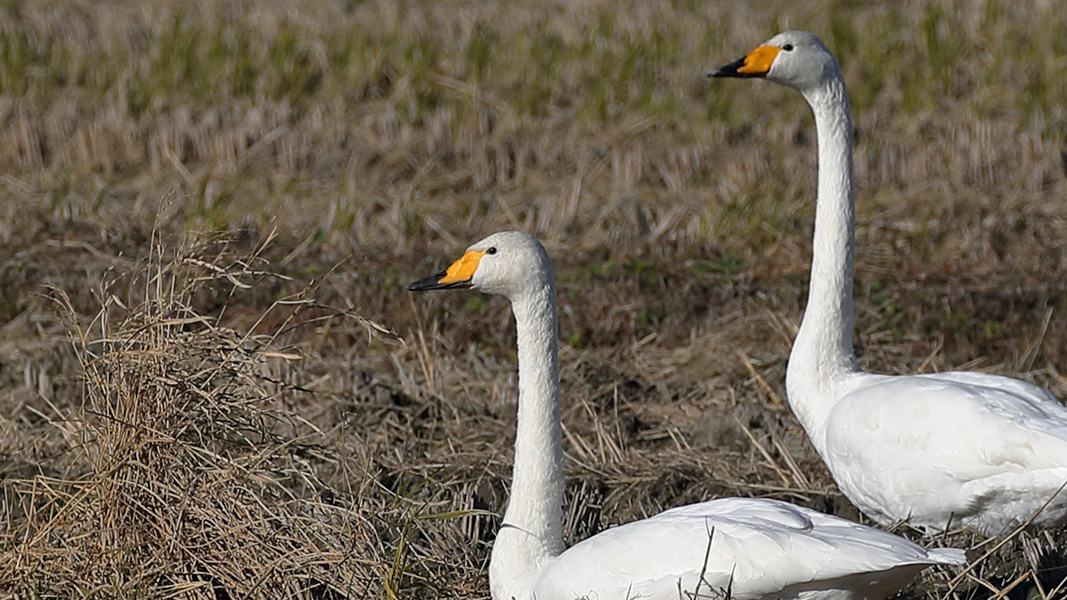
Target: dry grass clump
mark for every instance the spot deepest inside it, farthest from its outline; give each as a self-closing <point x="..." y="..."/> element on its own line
<point x="193" y="478"/>
<point x="1030" y="565"/>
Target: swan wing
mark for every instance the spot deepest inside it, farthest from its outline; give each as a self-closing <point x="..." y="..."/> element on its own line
<point x="948" y="445"/>
<point x="1028" y="405"/>
<point x="969" y="425"/>
<point x="755" y="547"/>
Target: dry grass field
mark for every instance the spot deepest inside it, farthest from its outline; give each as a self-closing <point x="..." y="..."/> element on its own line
<point x="213" y="385"/>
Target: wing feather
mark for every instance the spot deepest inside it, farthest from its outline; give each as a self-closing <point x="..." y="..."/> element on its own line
<point x="993" y="448"/>
<point x="764" y="545"/>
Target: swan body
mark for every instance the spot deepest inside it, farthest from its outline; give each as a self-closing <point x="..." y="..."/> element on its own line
<point x="755" y="548"/>
<point x="972" y="449"/>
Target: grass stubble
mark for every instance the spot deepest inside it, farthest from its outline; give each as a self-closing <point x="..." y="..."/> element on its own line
<point x="220" y="414"/>
<point x="190" y="476"/>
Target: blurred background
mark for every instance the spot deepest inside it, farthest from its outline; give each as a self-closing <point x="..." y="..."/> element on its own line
<point x="347" y="148"/>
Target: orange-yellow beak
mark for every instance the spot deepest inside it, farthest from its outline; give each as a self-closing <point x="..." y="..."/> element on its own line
<point x="458" y="275"/>
<point x="754" y="64"/>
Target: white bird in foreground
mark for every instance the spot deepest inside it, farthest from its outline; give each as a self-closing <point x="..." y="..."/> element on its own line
<point x="971" y="449"/>
<point x="756" y="548"/>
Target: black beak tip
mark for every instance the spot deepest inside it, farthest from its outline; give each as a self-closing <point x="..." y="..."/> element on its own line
<point x="433" y="282"/>
<point x="427" y="283"/>
<point x="729" y="70"/>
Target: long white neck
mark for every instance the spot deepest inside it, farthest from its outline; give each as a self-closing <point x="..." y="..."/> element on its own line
<point x="531" y="533"/>
<point x="823" y="353"/>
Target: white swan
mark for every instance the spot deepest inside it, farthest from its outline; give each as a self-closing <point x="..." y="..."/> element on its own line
<point x="972" y="449"/>
<point x="771" y="549"/>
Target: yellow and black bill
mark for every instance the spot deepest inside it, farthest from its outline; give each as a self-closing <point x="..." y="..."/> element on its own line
<point x="436" y="282"/>
<point x="459" y="275"/>
<point x="754" y="64"/>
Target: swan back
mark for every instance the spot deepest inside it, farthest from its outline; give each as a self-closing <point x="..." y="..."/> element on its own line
<point x="760" y="548"/>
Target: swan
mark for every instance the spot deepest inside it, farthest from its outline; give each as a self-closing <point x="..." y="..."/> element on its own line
<point x="755" y="548"/>
<point x="969" y="449"/>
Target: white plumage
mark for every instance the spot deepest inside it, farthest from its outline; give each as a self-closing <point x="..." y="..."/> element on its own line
<point x="758" y="548"/>
<point x="978" y="450"/>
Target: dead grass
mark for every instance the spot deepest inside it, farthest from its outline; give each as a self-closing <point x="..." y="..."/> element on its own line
<point x="191" y="475"/>
<point x="369" y="141"/>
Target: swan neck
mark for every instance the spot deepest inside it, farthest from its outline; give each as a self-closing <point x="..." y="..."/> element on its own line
<point x="531" y="532"/>
<point x="823" y="351"/>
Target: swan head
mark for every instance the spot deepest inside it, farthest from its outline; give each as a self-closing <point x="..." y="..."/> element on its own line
<point x="797" y="59"/>
<point x="509" y="263"/>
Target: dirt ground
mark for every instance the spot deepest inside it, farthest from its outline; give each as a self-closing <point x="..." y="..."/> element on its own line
<point x="213" y="384"/>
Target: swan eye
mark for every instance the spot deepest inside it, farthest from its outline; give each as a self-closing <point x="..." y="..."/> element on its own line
<point x="491" y="250"/>
<point x="788" y="47"/>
